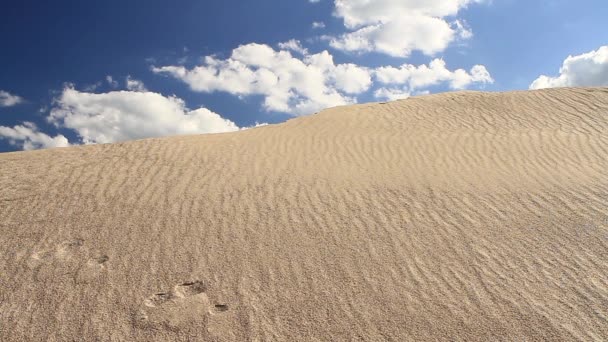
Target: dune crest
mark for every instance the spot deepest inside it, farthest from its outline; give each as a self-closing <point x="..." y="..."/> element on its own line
<point x="458" y="216"/>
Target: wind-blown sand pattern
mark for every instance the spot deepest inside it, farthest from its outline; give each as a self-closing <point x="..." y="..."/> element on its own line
<point x="459" y="216"/>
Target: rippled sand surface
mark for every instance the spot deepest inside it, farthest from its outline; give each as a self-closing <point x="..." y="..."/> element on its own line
<point x="459" y="216"/>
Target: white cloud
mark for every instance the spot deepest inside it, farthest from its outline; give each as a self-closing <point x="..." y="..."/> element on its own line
<point x="318" y="25"/>
<point x="398" y="27"/>
<point x="111" y="82"/>
<point x="304" y="85"/>
<point x="293" y="45"/>
<point x="9" y="100"/>
<point x="416" y="77"/>
<point x="588" y="69"/>
<point x="314" y="1"/>
<point x="92" y="87"/>
<point x="135" y="85"/>
<point x="350" y="78"/>
<point x="288" y="84"/>
<point x="408" y="79"/>
<point x="126" y="115"/>
<point x="117" y="116"/>
<point x="392" y="94"/>
<point x="463" y="29"/>
<point x="28" y="137"/>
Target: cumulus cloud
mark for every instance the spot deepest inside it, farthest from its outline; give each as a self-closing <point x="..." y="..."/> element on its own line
<point x="111" y="82"/>
<point x="92" y="87"/>
<point x="318" y="25"/>
<point x="288" y="84"/>
<point x="409" y="79"/>
<point x="135" y="85"/>
<point x="117" y="116"/>
<point x="293" y="45"/>
<point x="588" y="69"/>
<point x="463" y="29"/>
<point x="398" y="27"/>
<point x="127" y="115"/>
<point x="436" y="72"/>
<point x="302" y="85"/>
<point x="391" y="94"/>
<point x="28" y="137"/>
<point x="9" y="100"/>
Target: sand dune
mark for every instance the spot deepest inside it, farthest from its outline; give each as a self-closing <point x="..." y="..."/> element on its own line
<point x="459" y="216"/>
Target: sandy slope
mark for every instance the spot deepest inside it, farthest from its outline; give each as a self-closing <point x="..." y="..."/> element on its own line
<point x="464" y="216"/>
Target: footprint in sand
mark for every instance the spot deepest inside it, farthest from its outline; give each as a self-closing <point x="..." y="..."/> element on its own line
<point x="62" y="251"/>
<point x="93" y="269"/>
<point x="185" y="307"/>
<point x="69" y="258"/>
<point x="38" y="258"/>
<point x="68" y="249"/>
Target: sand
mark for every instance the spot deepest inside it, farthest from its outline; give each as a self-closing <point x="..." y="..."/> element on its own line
<point x="458" y="216"/>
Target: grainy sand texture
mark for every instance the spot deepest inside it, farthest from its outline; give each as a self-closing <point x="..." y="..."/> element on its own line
<point x="460" y="216"/>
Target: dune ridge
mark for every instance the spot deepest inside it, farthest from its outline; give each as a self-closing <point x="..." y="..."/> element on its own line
<point x="457" y="216"/>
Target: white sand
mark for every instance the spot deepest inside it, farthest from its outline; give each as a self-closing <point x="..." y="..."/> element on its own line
<point x="462" y="216"/>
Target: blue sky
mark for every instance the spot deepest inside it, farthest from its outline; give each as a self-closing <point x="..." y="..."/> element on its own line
<point x="197" y="66"/>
